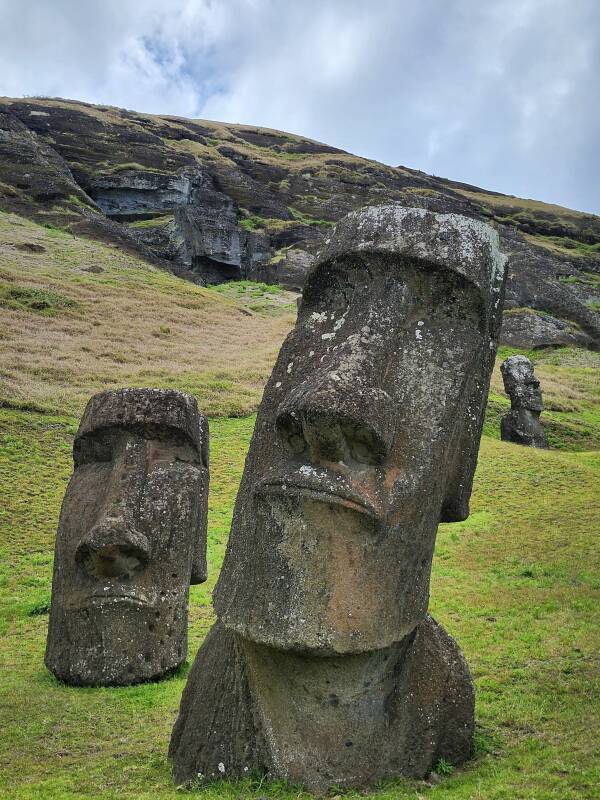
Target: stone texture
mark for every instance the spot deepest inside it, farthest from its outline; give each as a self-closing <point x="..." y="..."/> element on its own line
<point x="131" y="539"/>
<point x="522" y="423"/>
<point x="290" y="271"/>
<point x="366" y="438"/>
<point x="394" y="712"/>
<point x="529" y="329"/>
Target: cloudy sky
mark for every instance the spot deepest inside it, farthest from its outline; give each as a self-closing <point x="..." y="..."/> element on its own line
<point x="504" y="94"/>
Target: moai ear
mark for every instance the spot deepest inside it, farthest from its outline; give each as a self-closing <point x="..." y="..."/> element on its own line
<point x="199" y="569"/>
<point x="465" y="448"/>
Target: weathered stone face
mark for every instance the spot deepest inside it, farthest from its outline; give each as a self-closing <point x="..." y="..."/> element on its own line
<point x="520" y="383"/>
<point x="521" y="424"/>
<point x="351" y="720"/>
<point x="323" y="667"/>
<point x="367" y="435"/>
<point x="131" y="538"/>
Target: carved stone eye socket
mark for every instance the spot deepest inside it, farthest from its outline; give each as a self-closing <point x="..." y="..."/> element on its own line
<point x="161" y="452"/>
<point x="113" y="561"/>
<point x="363" y="445"/>
<point x="332" y="292"/>
<point x="289" y="428"/>
<point x="92" y="449"/>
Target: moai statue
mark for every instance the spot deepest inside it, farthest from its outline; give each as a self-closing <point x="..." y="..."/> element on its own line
<point x="323" y="667"/>
<point x="522" y="423"/>
<point x="131" y="539"/>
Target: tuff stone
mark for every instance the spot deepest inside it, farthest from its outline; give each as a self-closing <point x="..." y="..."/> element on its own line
<point x="522" y="423"/>
<point x="131" y="538"/>
<point x="366" y="439"/>
<point x="248" y="708"/>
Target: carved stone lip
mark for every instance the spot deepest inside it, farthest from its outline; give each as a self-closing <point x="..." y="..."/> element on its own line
<point x="318" y="490"/>
<point x="113" y="598"/>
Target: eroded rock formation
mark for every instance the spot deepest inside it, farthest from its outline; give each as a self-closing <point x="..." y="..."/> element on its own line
<point x="522" y="423"/>
<point x="324" y="667"/>
<point x="131" y="539"/>
<point x="214" y="202"/>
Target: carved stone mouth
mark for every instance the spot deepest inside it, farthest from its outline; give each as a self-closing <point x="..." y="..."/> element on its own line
<point x="318" y="491"/>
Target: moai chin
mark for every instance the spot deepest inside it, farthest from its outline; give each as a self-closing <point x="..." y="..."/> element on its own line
<point x="131" y="539"/>
<point x="522" y="423"/>
<point x="323" y="667"/>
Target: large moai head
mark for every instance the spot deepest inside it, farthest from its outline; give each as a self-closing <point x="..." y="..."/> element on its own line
<point x="367" y="435"/>
<point x="131" y="539"/>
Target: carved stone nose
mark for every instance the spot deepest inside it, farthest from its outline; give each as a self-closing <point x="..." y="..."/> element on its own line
<point x="111" y="550"/>
<point x="331" y="424"/>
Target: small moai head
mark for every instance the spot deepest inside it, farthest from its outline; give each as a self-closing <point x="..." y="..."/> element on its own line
<point x="520" y="383"/>
<point x="367" y="435"/>
<point x="131" y="539"/>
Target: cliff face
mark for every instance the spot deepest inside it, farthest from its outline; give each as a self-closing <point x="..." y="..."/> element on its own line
<point x="216" y="202"/>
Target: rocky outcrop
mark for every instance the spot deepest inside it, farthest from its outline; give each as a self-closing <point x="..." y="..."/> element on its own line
<point x="218" y="202"/>
<point x="524" y="327"/>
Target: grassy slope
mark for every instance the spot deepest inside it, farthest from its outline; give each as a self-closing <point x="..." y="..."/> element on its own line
<point x="123" y="323"/>
<point x="515" y="583"/>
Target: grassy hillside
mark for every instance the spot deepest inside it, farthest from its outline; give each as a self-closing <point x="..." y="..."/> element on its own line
<point x="77" y="316"/>
<point x="516" y="584"/>
<point x="218" y="201"/>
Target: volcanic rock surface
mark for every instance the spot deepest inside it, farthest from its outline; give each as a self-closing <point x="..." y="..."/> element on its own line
<point x="213" y="202"/>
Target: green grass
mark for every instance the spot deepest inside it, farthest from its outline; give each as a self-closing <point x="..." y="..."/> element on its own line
<point x="154" y="222"/>
<point x="251" y="224"/>
<point x="260" y="298"/>
<point x="38" y="301"/>
<point x="582" y="248"/>
<point x="587" y="279"/>
<point x="77" y="201"/>
<point x="308" y="219"/>
<point x="135" y="166"/>
<point x="516" y="584"/>
<point x="78" y="316"/>
<point x="55" y="230"/>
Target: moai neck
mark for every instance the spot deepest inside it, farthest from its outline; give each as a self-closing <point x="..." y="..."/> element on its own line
<point x="324" y="717"/>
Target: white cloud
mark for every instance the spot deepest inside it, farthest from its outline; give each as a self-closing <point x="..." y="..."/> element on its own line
<point x="502" y="93"/>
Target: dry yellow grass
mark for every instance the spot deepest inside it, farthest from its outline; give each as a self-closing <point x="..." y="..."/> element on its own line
<point x="500" y="201"/>
<point x="132" y="324"/>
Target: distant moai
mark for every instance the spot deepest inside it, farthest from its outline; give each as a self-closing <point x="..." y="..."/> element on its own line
<point x="324" y="667"/>
<point x="522" y="423"/>
<point x="131" y="539"/>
